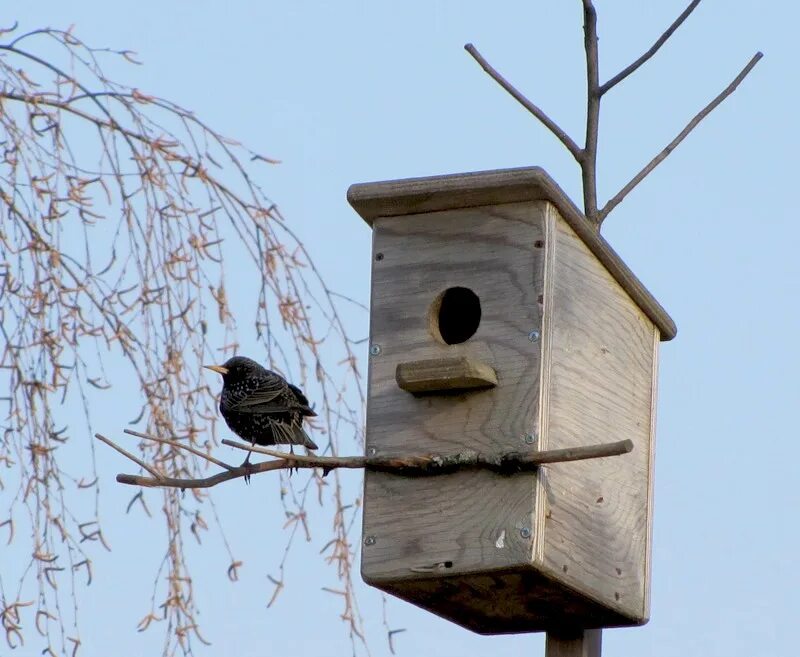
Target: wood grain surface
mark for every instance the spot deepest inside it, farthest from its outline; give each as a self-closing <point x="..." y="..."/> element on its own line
<point x="444" y="374"/>
<point x="574" y="359"/>
<point x="469" y="520"/>
<point x="578" y="643"/>
<point x="600" y="384"/>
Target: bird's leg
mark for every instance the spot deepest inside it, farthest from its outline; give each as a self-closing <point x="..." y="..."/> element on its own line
<point x="246" y="464"/>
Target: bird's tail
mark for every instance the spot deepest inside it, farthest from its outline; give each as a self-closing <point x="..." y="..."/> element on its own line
<point x="301" y="438"/>
<point x="290" y="434"/>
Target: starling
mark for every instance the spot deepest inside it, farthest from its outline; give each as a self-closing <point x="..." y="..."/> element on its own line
<point x="260" y="406"/>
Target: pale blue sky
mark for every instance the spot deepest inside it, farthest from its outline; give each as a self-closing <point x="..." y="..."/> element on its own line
<point x="346" y="92"/>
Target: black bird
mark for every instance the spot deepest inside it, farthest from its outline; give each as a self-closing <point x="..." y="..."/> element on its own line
<point x="260" y="406"/>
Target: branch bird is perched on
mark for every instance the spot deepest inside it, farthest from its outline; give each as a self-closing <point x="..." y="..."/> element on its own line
<point x="260" y="406"/>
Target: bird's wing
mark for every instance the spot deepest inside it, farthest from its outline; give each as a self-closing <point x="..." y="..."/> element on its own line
<point x="302" y="401"/>
<point x="269" y="396"/>
<point x="252" y="406"/>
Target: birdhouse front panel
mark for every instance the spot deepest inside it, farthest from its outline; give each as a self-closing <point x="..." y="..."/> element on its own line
<point x="463" y="286"/>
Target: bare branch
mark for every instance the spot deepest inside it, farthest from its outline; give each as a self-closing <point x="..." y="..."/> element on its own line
<point x="617" y="199"/>
<point x="589" y="160"/>
<point x="133" y="458"/>
<point x="431" y="464"/>
<point x="411" y="465"/>
<point x="249" y="447"/>
<point x="551" y="125"/>
<point x="180" y="445"/>
<point x="624" y="73"/>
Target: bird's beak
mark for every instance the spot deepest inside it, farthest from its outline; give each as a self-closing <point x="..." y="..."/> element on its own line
<point x="217" y="368"/>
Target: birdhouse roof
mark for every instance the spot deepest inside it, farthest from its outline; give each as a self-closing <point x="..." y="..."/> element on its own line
<point x="394" y="198"/>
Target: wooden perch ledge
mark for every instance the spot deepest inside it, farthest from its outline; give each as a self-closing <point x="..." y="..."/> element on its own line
<point x="414" y="465"/>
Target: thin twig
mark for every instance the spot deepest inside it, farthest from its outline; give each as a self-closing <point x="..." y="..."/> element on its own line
<point x="390" y="635"/>
<point x="158" y="476"/>
<point x="180" y="445"/>
<point x="589" y="160"/>
<point x="249" y="447"/>
<point x="681" y="136"/>
<point x="411" y="465"/>
<point x="624" y="73"/>
<point x="551" y="125"/>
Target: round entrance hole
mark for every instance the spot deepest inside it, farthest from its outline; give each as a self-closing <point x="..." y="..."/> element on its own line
<point x="455" y="315"/>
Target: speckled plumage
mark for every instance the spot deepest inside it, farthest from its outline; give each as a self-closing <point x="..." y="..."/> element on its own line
<point x="261" y="407"/>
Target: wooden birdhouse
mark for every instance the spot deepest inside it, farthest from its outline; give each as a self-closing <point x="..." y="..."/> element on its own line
<point x="502" y="322"/>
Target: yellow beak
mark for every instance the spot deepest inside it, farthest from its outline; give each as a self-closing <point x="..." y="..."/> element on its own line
<point x="217" y="368"/>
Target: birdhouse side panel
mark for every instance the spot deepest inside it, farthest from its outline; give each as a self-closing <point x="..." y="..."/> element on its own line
<point x="470" y="520"/>
<point x="601" y="354"/>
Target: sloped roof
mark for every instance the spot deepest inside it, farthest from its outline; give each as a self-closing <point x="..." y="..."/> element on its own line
<point x="417" y="195"/>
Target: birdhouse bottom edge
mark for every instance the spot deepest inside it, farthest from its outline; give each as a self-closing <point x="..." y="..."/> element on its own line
<point x="507" y="602"/>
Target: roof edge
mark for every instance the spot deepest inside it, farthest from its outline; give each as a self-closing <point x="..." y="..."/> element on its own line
<point x="394" y="198"/>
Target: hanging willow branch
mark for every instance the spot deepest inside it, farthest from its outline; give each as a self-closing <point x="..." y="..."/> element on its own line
<point x="586" y="156"/>
<point x="120" y="216"/>
<point x="414" y="465"/>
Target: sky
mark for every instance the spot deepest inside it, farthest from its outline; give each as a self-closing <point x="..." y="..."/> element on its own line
<point x="350" y="92"/>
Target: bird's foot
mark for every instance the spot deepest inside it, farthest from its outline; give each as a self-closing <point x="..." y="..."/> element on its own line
<point x="248" y="468"/>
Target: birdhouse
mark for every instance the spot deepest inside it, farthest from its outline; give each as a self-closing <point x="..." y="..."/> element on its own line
<point x="501" y="322"/>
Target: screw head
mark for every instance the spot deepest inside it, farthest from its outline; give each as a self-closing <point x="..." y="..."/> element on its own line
<point x="525" y="532"/>
<point x="529" y="438"/>
<point x="533" y="336"/>
<point x="375" y="349"/>
<point x="369" y="540"/>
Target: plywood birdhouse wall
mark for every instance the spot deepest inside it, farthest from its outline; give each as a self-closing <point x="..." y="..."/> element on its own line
<point x="502" y="322"/>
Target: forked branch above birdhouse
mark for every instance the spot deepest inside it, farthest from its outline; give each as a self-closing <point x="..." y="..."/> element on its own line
<point x="586" y="155"/>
